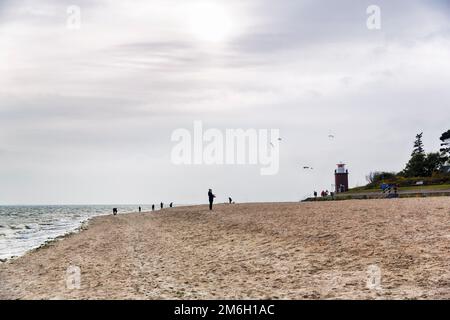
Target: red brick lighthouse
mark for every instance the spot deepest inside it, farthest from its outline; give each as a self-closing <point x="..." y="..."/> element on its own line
<point x="341" y="178"/>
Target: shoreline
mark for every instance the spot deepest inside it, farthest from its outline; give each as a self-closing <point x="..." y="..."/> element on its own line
<point x="83" y="226"/>
<point x="261" y="250"/>
<point x="28" y="227"/>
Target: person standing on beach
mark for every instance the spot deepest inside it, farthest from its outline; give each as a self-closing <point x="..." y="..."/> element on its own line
<point x="211" y="197"/>
<point x="162" y="205"/>
<point x="171" y="204"/>
<point x="140" y="209"/>
<point x="153" y="207"/>
<point x="230" y="200"/>
<point x="315" y="194"/>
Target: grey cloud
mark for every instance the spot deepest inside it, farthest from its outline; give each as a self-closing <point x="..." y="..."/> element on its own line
<point x="293" y="24"/>
<point x="100" y="104"/>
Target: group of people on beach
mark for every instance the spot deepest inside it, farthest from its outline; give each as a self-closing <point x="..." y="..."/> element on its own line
<point x="140" y="208"/>
<point x="211" y="197"/>
<point x="161" y="205"/>
<point x="324" y="193"/>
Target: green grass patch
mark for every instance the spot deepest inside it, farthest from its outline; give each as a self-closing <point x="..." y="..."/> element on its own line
<point x="436" y="187"/>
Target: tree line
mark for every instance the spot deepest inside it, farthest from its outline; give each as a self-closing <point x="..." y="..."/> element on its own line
<point x="420" y="164"/>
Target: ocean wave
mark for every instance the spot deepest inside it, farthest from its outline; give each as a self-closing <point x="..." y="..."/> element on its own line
<point x="24" y="228"/>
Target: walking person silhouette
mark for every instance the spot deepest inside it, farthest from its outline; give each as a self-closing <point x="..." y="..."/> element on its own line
<point x="211" y="197"/>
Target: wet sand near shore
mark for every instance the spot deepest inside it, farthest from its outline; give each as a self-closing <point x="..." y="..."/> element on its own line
<point x="322" y="250"/>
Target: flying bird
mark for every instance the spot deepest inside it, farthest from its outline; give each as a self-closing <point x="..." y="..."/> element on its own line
<point x="331" y="136"/>
<point x="279" y="139"/>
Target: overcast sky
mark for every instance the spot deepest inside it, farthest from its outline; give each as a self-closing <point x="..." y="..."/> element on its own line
<point x="86" y="115"/>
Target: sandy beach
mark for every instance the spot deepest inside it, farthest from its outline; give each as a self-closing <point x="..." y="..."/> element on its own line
<point x="264" y="251"/>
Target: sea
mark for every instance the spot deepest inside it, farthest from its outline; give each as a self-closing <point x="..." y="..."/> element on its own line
<point x="23" y="228"/>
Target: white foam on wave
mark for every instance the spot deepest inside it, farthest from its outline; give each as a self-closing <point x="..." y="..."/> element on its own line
<point x="24" y="228"/>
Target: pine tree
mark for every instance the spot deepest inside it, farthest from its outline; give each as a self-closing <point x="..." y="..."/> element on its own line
<point x="418" y="145"/>
<point x="416" y="165"/>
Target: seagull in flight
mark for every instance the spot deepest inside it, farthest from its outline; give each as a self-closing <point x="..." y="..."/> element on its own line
<point x="279" y="139"/>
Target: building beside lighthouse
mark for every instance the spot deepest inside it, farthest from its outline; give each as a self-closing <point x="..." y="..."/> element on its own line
<point x="341" y="178"/>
